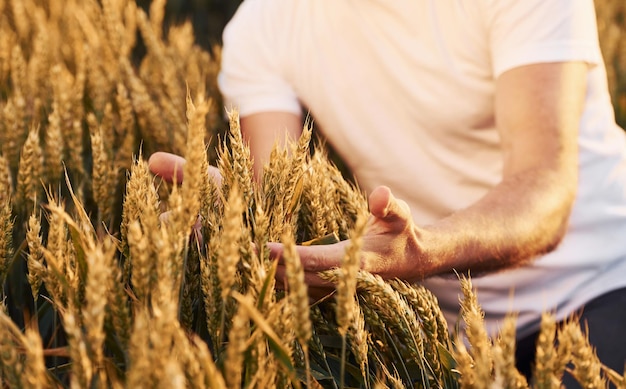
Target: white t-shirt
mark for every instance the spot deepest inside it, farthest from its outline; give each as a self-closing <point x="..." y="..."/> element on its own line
<point x="404" y="91"/>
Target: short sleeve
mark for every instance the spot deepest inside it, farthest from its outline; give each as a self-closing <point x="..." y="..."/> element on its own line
<point x="252" y="74"/>
<point x="524" y="32"/>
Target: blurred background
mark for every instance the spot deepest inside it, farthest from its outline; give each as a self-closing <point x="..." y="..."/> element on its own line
<point x="208" y="16"/>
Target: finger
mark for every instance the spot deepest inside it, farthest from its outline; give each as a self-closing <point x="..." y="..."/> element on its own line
<point x="312" y="280"/>
<point x="317" y="288"/>
<point x="167" y="166"/>
<point x="384" y="205"/>
<point x="314" y="258"/>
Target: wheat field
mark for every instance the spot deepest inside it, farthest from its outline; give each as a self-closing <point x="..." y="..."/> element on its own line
<point x="100" y="291"/>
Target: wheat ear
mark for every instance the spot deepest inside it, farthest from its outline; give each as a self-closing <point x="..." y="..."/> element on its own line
<point x="505" y="371"/>
<point x="35" y="259"/>
<point x="237" y="344"/>
<point x="6" y="239"/>
<point x="477" y="336"/>
<point x="587" y="367"/>
<point x="545" y="369"/>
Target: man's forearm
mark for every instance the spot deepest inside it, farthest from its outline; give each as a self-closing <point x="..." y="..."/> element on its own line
<point x="538" y="109"/>
<point x="524" y="216"/>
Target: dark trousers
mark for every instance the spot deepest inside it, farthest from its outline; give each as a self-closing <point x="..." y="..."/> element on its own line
<point x="605" y="318"/>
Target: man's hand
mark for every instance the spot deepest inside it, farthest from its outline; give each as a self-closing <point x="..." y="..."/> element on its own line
<point x="391" y="246"/>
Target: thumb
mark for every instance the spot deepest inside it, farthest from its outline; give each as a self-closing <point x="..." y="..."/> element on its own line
<point x="314" y="258"/>
<point x="166" y="165"/>
<point x="383" y="205"/>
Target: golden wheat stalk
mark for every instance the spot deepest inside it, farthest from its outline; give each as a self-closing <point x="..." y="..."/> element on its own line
<point x="35" y="259"/>
<point x="477" y="336"/>
<point x="184" y="218"/>
<point x="465" y="365"/>
<point x="311" y="221"/>
<point x="173" y="375"/>
<point x="93" y="41"/>
<point x="140" y="372"/>
<point x="13" y="133"/>
<point x="125" y="130"/>
<point x="298" y="291"/>
<point x="388" y="314"/>
<point x="20" y="19"/>
<point x="141" y="202"/>
<point x="235" y="162"/>
<point x="189" y="360"/>
<point x="298" y="297"/>
<point x="237" y="345"/>
<point x="82" y="368"/>
<point x="587" y="367"/>
<point x="281" y="319"/>
<point x="545" y="374"/>
<point x="103" y="174"/>
<point x="325" y="176"/>
<point x="147" y="112"/>
<point x="168" y="269"/>
<point x="54" y="254"/>
<point x="53" y="147"/>
<point x="7" y="40"/>
<point x="35" y="374"/>
<point x="21" y="354"/>
<point x="108" y="121"/>
<point x="505" y="371"/>
<point x="6" y="239"/>
<point x="162" y="336"/>
<point x="346" y="286"/>
<point x="393" y="378"/>
<point x="39" y="61"/>
<point x="118" y="307"/>
<point x="10" y="362"/>
<point x="113" y="24"/>
<point x="211" y="292"/>
<point x="228" y="251"/>
<point x="29" y="188"/>
<point x="99" y="259"/>
<point x="124" y="109"/>
<point x="283" y="183"/>
<point x="19" y="76"/>
<point x="70" y="114"/>
<point x="154" y="44"/>
<point x="212" y="376"/>
<point x="431" y="317"/>
<point x="191" y="286"/>
<point x="141" y="261"/>
<point x="270" y="326"/>
<point x="129" y="30"/>
<point x="6" y="181"/>
<point x="359" y="339"/>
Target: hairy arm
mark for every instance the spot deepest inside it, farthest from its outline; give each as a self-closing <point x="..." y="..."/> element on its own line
<point x="538" y="109"/>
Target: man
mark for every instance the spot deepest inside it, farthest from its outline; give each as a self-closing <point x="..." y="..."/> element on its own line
<point x="482" y="130"/>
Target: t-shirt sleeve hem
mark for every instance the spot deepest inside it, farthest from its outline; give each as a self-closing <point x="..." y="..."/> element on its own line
<point x="257" y="105"/>
<point x="555" y="52"/>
